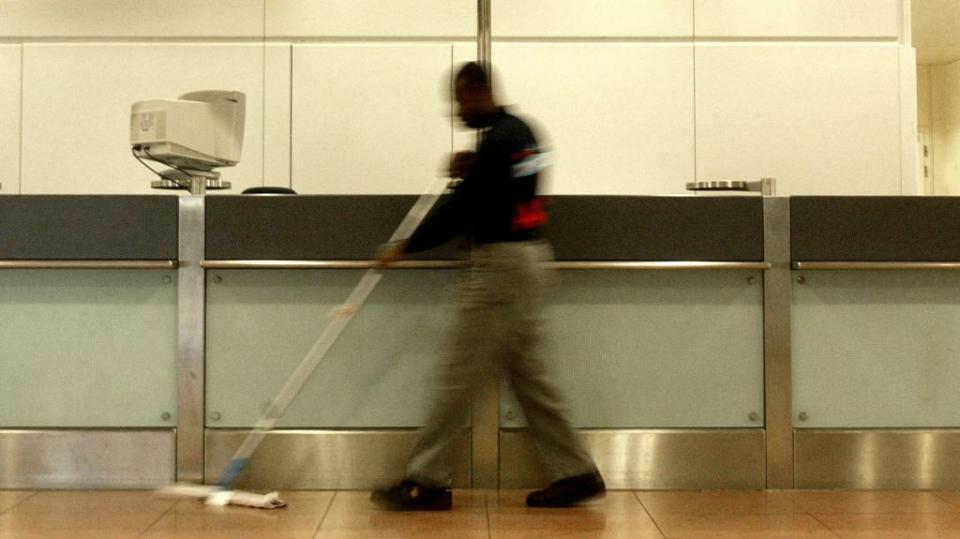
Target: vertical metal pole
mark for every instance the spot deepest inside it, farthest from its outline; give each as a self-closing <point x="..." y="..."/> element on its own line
<point x="778" y="379"/>
<point x="483" y="33"/>
<point x="198" y="186"/>
<point x="190" y="329"/>
<point x="768" y="187"/>
<point x="485" y="425"/>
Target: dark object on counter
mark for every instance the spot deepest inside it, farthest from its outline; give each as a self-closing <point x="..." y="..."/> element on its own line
<point x="266" y="190"/>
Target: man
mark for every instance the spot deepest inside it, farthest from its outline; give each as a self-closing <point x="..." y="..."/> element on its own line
<point x="496" y="325"/>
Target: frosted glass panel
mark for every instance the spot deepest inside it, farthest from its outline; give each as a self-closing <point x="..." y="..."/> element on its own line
<point x="656" y="349"/>
<point x="877" y="349"/>
<point x="88" y="348"/>
<point x="261" y="323"/>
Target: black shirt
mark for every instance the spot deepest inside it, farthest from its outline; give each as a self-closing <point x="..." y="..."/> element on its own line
<point x="497" y="201"/>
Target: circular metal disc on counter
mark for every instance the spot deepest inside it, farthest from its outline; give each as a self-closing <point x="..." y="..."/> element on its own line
<point x="718" y="185"/>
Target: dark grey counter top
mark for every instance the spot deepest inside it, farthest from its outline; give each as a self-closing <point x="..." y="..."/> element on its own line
<point x="582" y="228"/>
<point x="351" y="227"/>
<point x="331" y="227"/>
<point x="728" y="229"/>
<point x="88" y="227"/>
<point x="875" y="229"/>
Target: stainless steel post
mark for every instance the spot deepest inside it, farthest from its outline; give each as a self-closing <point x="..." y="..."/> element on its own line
<point x="484" y="26"/>
<point x="778" y="381"/>
<point x="190" y="329"/>
<point x="485" y="425"/>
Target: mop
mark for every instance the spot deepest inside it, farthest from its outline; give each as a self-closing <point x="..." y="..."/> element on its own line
<point x="222" y="492"/>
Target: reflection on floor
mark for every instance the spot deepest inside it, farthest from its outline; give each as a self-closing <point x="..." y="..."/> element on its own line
<point x="489" y="514"/>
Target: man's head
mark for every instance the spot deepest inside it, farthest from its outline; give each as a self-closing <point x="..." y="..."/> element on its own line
<point x="474" y="96"/>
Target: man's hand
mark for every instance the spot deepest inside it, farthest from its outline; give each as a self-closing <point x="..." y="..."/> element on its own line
<point x="460" y="164"/>
<point x="389" y="253"/>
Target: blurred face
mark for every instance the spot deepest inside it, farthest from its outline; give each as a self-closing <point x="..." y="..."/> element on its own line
<point x="471" y="104"/>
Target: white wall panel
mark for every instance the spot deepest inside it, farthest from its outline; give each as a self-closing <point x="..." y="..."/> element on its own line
<point x="910" y="180"/>
<point x="276" y="114"/>
<point x="370" y="119"/>
<point x="923" y="96"/>
<point x="10" y="119"/>
<point x="599" y="18"/>
<point x="945" y="85"/>
<point x="619" y="116"/>
<point x="798" y="18"/>
<point x="126" y="18"/>
<point x="395" y="18"/>
<point x="823" y="120"/>
<point x="76" y="102"/>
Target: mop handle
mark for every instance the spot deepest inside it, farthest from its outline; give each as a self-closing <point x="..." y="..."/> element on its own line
<point x="323" y="343"/>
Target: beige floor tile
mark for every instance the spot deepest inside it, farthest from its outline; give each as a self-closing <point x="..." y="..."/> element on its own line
<point x="872" y="502"/>
<point x="781" y="526"/>
<point x="618" y="515"/>
<point x="714" y="502"/>
<point x="10" y="498"/>
<point x="192" y="519"/>
<point x="893" y="526"/>
<point x="950" y="496"/>
<point x="83" y="514"/>
<point x="72" y="525"/>
<point x="95" y="501"/>
<point x="353" y="516"/>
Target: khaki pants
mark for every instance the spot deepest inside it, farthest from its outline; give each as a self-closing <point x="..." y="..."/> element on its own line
<point x="496" y="330"/>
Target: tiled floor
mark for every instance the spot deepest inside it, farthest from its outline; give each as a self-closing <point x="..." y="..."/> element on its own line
<point x="622" y="514"/>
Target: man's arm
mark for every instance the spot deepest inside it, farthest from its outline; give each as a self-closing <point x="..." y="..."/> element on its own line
<point x="445" y="221"/>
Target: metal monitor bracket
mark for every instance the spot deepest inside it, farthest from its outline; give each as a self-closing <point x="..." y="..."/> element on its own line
<point x="198" y="182"/>
<point x="765" y="186"/>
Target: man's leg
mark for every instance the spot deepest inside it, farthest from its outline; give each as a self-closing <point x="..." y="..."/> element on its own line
<point x="568" y="464"/>
<point x="432" y="461"/>
<point x="560" y="446"/>
<point x="430" y="469"/>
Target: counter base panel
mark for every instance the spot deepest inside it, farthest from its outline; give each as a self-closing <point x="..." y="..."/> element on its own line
<point x="877" y="459"/>
<point x="87" y="459"/>
<point x="650" y="459"/>
<point x="324" y="459"/>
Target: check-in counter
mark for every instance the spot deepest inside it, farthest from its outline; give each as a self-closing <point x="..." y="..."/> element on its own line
<point x="277" y="268"/>
<point x="655" y="333"/>
<point x="876" y="307"/>
<point x="88" y="295"/>
<point x="702" y="342"/>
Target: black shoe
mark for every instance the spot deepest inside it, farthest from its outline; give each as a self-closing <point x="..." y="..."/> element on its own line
<point x="569" y="491"/>
<point x="412" y="496"/>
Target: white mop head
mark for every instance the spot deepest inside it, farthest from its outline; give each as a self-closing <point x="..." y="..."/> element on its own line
<point x="213" y="495"/>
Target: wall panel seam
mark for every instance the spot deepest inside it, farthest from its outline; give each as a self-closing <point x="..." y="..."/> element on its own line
<point x="231" y="39"/>
<point x="290" y="119"/>
<point x="900" y="113"/>
<point x="263" y="100"/>
<point x="20" y="133"/>
<point x="693" y="27"/>
<point x="194" y="40"/>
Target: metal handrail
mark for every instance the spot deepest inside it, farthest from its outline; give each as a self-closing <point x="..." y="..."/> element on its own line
<point x="849" y="265"/>
<point x="456" y="264"/>
<point x="330" y="264"/>
<point x="89" y="264"/>
<point x="660" y="265"/>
